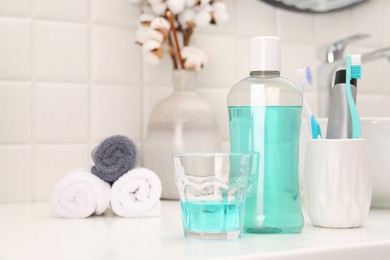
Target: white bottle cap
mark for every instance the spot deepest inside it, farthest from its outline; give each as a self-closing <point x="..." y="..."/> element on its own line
<point x="265" y="53"/>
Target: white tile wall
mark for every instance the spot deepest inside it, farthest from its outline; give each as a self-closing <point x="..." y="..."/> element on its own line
<point x="66" y="10"/>
<point x="52" y="162"/>
<point x="114" y="12"/>
<point x="387" y="21"/>
<point x="61" y="112"/>
<point x="216" y="98"/>
<point x="295" y="26"/>
<point x="114" y="56"/>
<point x="15" y="7"/>
<point x="70" y="75"/>
<point x="116" y="109"/>
<point x="221" y="74"/>
<point x="16" y="175"/>
<point x="386" y="106"/>
<point x="372" y="20"/>
<point x="331" y="24"/>
<point x="62" y="51"/>
<point x="370" y="105"/>
<point x="255" y="18"/>
<point x="15" y="48"/>
<point x="16" y="125"/>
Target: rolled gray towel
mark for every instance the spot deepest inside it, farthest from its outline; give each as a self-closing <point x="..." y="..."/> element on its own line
<point x="113" y="157"/>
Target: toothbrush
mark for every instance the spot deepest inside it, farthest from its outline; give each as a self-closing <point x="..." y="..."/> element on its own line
<point x="305" y="79"/>
<point x="353" y="70"/>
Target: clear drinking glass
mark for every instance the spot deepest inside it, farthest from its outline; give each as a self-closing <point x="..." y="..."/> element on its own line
<point x="212" y="191"/>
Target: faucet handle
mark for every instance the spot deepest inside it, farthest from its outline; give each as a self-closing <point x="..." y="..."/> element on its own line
<point x="334" y="51"/>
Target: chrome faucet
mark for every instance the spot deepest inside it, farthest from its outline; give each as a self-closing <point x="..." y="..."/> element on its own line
<point x="377" y="54"/>
<point x="332" y="60"/>
<point x="331" y="57"/>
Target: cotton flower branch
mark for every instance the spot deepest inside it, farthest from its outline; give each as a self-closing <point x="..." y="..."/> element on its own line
<point x="162" y="21"/>
<point x="171" y="21"/>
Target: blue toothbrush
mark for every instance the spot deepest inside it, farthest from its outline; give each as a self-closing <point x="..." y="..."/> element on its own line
<point x="353" y="70"/>
<point x="305" y="79"/>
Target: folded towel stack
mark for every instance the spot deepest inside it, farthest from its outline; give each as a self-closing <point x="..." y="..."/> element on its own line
<point x="134" y="192"/>
<point x="114" y="157"/>
<point x="137" y="194"/>
<point x="79" y="195"/>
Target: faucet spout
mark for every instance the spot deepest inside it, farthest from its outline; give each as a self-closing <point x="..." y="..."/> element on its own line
<point x="377" y="54"/>
<point x="334" y="51"/>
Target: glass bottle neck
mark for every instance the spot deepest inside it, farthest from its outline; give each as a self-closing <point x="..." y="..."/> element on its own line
<point x="265" y="73"/>
<point x="183" y="80"/>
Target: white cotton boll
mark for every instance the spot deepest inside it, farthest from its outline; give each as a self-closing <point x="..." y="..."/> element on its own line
<point x="145" y="19"/>
<point x="202" y="18"/>
<point x="176" y="6"/>
<point x="159" y="8"/>
<point x="155" y="35"/>
<point x="141" y="34"/>
<point x="204" y="2"/>
<point x="190" y="3"/>
<point x="160" y="23"/>
<point x="194" y="59"/>
<point x="206" y="8"/>
<point x="151" y="59"/>
<point x="150" y="45"/>
<point x="185" y="17"/>
<point x="220" y="17"/>
<point x="192" y="51"/>
<point x="159" y="29"/>
<point x="219" y="6"/>
<point x="188" y="51"/>
<point x="193" y="63"/>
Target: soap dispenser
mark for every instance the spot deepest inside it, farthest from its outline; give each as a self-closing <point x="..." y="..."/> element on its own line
<point x="264" y="120"/>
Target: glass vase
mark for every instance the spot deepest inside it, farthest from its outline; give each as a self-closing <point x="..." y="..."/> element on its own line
<point x="181" y="122"/>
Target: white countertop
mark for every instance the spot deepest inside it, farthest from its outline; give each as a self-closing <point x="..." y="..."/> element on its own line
<point x="31" y="231"/>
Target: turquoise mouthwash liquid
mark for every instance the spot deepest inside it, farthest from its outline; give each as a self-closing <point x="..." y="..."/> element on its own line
<point x="273" y="201"/>
<point x="211" y="216"/>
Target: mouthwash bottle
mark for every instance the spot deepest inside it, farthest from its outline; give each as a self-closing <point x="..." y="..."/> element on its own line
<point x="264" y="120"/>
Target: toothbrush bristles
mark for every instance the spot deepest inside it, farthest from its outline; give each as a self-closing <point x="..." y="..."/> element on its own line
<point x="309" y="76"/>
<point x="356" y="68"/>
<point x="305" y="77"/>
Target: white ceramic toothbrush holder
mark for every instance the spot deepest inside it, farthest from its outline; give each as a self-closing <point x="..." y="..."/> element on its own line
<point x="337" y="183"/>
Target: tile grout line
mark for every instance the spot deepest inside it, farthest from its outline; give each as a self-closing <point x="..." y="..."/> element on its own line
<point x="33" y="92"/>
<point x="90" y="95"/>
<point x="142" y="107"/>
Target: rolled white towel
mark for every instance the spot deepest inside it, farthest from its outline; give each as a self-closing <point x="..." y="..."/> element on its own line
<point x="79" y="195"/>
<point x="137" y="194"/>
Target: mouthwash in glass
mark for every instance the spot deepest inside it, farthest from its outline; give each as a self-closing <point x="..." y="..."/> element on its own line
<point x="265" y="119"/>
<point x="203" y="216"/>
